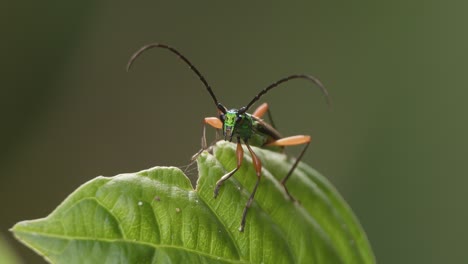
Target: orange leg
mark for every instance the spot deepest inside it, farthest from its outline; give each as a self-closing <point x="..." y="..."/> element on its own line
<point x="291" y="141"/>
<point x="258" y="169"/>
<point x="212" y="121"/>
<point x="261" y="110"/>
<point x="240" y="157"/>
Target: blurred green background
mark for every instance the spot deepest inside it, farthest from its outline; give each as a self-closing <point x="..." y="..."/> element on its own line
<point x="393" y="143"/>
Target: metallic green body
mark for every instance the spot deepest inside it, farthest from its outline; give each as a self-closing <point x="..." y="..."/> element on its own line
<point x="248" y="128"/>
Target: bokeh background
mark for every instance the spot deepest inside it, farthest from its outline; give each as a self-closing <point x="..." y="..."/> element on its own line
<point x="394" y="142"/>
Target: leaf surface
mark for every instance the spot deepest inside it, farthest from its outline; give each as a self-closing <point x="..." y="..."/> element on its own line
<point x="155" y="216"/>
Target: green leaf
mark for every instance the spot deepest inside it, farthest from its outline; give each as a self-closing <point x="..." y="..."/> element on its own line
<point x="155" y="216"/>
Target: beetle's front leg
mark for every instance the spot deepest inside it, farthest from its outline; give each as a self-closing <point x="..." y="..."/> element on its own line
<point x="240" y="157"/>
<point x="212" y="121"/>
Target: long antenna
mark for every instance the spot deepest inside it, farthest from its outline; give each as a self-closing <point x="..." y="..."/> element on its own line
<point x="291" y="77"/>
<point x="182" y="57"/>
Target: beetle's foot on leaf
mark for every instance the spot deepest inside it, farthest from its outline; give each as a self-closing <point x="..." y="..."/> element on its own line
<point x="195" y="156"/>
<point x="244" y="216"/>
<point x="292" y="199"/>
<point x="216" y="191"/>
<point x="289" y="196"/>
<point x="296" y="201"/>
<point x="209" y="149"/>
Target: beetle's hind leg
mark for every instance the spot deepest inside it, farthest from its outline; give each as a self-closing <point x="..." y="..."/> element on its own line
<point x="291" y="141"/>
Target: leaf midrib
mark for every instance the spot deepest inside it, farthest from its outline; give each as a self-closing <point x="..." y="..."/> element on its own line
<point x="57" y="236"/>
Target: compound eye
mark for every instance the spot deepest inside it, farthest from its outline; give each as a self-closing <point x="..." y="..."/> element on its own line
<point x="222" y="117"/>
<point x="239" y="118"/>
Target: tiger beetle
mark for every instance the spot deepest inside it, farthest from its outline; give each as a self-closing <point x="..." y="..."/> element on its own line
<point x="245" y="128"/>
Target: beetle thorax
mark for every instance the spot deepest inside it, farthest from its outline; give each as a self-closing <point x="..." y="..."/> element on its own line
<point x="236" y="125"/>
